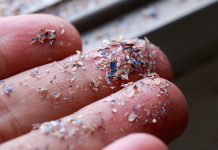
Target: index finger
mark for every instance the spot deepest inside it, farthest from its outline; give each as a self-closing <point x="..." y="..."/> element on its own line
<point x="17" y="54"/>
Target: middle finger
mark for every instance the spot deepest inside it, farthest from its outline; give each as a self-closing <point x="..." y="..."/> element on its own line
<point x="58" y="89"/>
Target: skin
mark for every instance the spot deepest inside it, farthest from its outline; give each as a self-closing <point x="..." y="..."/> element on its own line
<point x="17" y="118"/>
<point x="17" y="54"/>
<point x="137" y="141"/>
<point x="102" y="126"/>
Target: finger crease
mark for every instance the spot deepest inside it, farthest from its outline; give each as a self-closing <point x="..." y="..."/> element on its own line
<point x="14" y="122"/>
<point x="3" y="58"/>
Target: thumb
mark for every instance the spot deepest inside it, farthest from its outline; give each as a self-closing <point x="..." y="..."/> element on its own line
<point x="137" y="141"/>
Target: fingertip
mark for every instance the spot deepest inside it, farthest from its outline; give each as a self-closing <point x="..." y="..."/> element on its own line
<point x="182" y="117"/>
<point x="165" y="70"/>
<point x="137" y="141"/>
<point x="177" y="119"/>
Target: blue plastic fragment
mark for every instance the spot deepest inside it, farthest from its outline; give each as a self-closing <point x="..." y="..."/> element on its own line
<point x="112" y="65"/>
<point x="8" y="89"/>
<point x="103" y="53"/>
<point x="137" y="50"/>
<point x="137" y="62"/>
<point x="113" y="71"/>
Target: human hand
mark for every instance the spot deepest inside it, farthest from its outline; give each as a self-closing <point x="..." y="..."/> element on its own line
<point x="80" y="86"/>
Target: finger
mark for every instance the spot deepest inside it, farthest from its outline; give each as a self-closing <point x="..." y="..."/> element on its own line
<point x="137" y="141"/>
<point x="18" y="54"/>
<point x="158" y="109"/>
<point x="58" y="89"/>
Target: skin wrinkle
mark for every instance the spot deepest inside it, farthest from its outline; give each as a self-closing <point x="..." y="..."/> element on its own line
<point x="3" y="56"/>
<point x="102" y="137"/>
<point x="14" y="122"/>
<point x="4" y="39"/>
<point x="102" y="134"/>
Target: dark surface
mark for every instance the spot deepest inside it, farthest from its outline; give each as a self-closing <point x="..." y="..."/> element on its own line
<point x="200" y="87"/>
<point x="186" y="41"/>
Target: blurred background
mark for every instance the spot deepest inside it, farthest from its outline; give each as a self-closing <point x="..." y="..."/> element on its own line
<point x="186" y="30"/>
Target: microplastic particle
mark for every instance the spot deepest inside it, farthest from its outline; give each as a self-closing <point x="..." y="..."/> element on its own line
<point x="8" y="90"/>
<point x="44" y="35"/>
<point x="125" y="76"/>
<point x="157" y="81"/>
<point x="114" y="110"/>
<point x="62" y="29"/>
<point x="72" y="79"/>
<point x="43" y="91"/>
<point x="2" y="83"/>
<point x="34" y="72"/>
<point x="55" y="95"/>
<point x="132" y="117"/>
<point x="154" y="120"/>
<point x="134" y="91"/>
